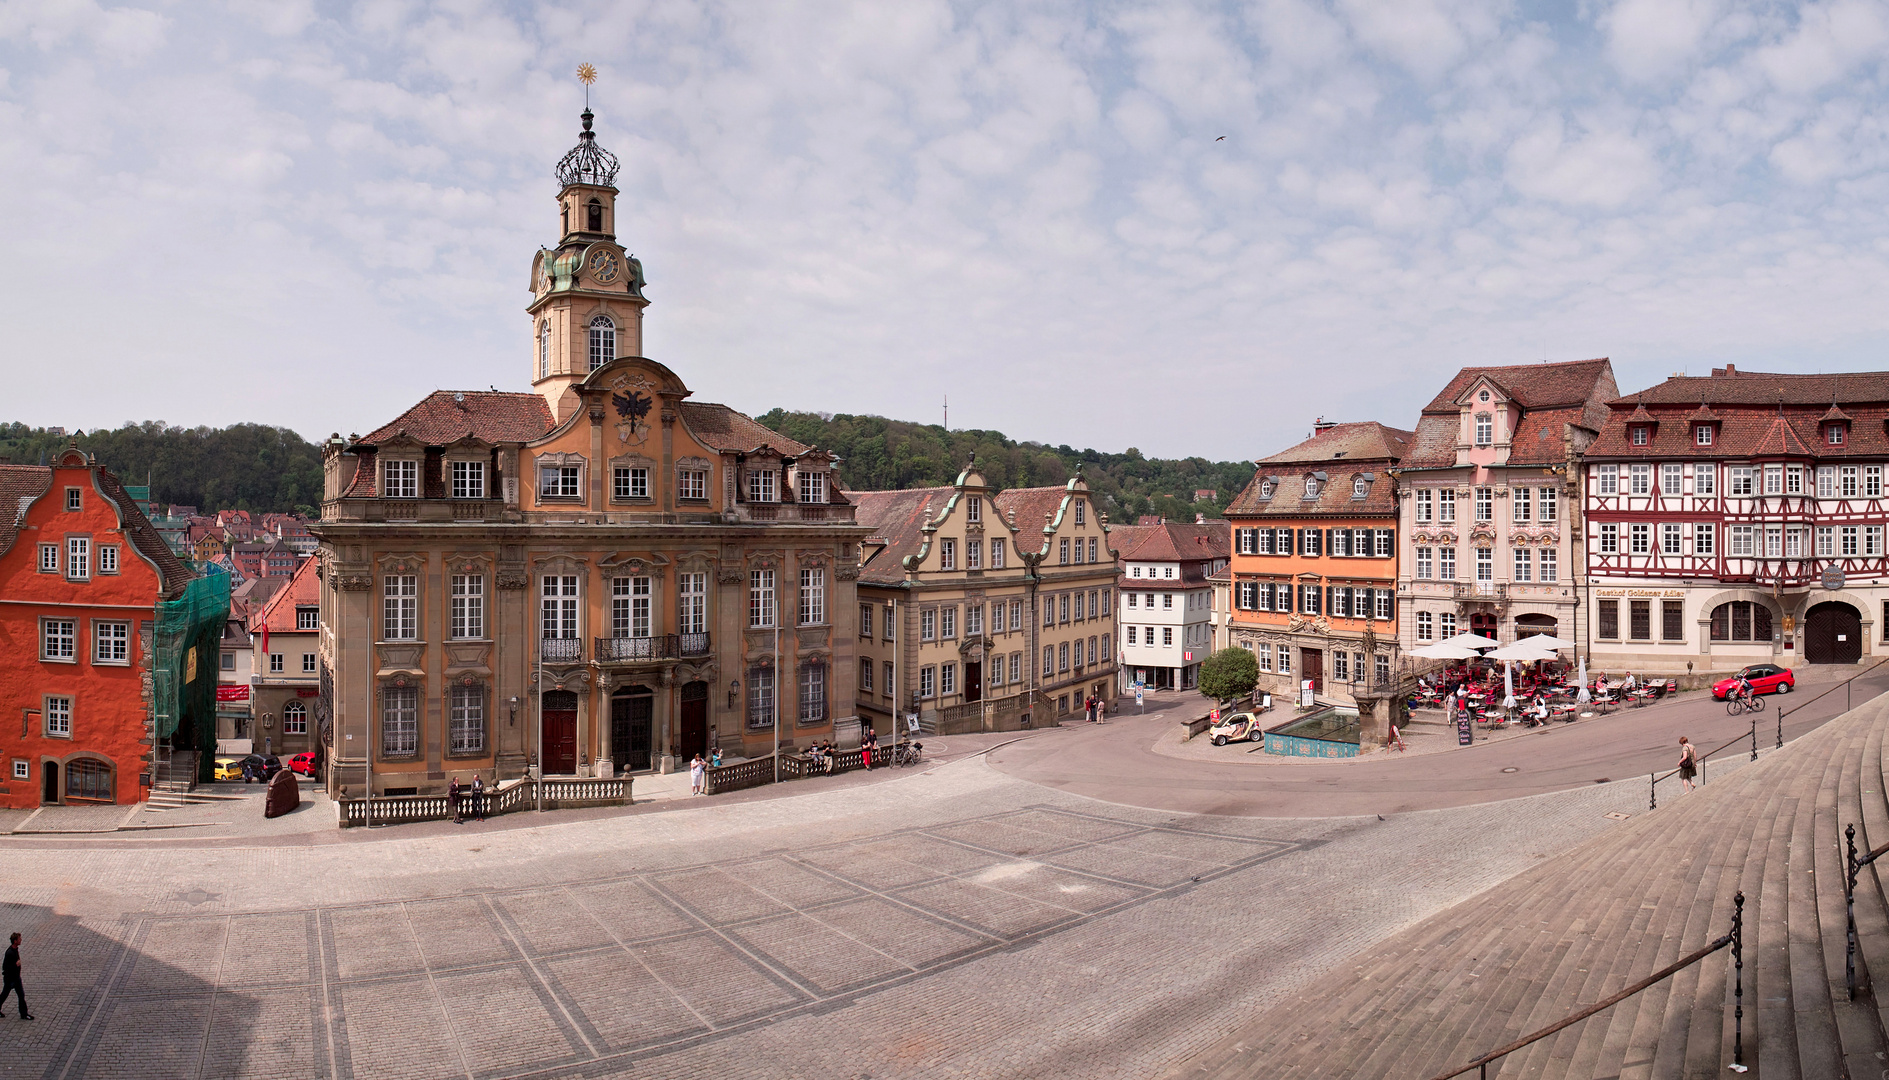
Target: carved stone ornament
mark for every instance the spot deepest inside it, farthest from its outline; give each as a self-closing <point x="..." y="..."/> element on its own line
<point x="513" y="579"/>
<point x="846" y="572"/>
<point x="354" y="582"/>
<point x="730" y="577"/>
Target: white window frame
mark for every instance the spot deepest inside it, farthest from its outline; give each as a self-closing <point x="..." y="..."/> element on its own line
<point x="762" y="606"/>
<point x="603" y="341"/>
<point x="692" y="484"/>
<point x="812" y="596"/>
<point x="57" y="722"/>
<point x="629" y="482"/>
<point x="399" y="478"/>
<point x="468" y="608"/>
<point x="400" y="607"/>
<point x="1705" y="479"/>
<point x="78" y="558"/>
<point x="111" y="642"/>
<point x="468" y="479"/>
<point x="107" y="558"/>
<point x="560" y="481"/>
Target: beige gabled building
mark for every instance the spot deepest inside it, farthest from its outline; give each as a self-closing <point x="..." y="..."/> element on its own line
<point x="982" y="610"/>
<point x="599" y="576"/>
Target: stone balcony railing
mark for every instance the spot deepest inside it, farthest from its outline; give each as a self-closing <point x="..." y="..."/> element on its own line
<point x="800" y="513"/>
<point x="1480" y="590"/>
<point x="422" y="510"/>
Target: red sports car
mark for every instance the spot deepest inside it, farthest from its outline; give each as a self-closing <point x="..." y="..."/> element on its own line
<point x="303" y="764"/>
<point x="1765" y="679"/>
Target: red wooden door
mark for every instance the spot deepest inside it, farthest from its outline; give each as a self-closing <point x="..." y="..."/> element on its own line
<point x="560" y="732"/>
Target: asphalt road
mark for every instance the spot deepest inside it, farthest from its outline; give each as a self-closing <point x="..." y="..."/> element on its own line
<point x="1114" y="762"/>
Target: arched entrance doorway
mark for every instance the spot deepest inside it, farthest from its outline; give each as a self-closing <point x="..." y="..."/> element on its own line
<point x="1833" y="634"/>
<point x="559" y="712"/>
<point x="1484" y="623"/>
<point x="49" y="787"/>
<point x="632" y="709"/>
<point x="692" y="724"/>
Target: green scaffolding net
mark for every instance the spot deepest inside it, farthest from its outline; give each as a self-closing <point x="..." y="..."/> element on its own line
<point x="187" y="644"/>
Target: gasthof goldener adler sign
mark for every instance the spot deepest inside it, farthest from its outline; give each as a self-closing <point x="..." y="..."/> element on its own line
<point x="1833" y="578"/>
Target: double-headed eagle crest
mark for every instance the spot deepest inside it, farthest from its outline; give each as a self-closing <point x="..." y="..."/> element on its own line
<point x="632" y="405"/>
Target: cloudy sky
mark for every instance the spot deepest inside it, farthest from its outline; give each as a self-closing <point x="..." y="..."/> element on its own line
<point x="311" y="214"/>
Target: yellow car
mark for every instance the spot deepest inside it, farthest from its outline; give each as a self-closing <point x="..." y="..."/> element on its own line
<point x="229" y="768"/>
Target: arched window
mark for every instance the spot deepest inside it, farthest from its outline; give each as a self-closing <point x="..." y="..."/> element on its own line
<point x="1741" y="620"/>
<point x="1357" y="487"/>
<point x="544" y="349"/>
<point x="294" y="718"/>
<point x="1265" y="490"/>
<point x="1311" y="487"/>
<point x="603" y="341"/>
<point x="594" y="210"/>
<point x="89" y="778"/>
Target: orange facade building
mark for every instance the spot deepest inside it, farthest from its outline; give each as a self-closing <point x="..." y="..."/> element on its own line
<point x="1314" y="570"/>
<point x="81" y="574"/>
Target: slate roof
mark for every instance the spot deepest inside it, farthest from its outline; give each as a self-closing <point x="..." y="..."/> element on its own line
<point x="495" y="416"/>
<point x="278" y="613"/>
<point x="725" y="429"/>
<point x="895" y="517"/>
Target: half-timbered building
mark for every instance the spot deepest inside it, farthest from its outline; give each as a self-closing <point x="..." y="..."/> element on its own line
<point x="1738" y="518"/>
<point x="1483" y="497"/>
<point x="1314" y="564"/>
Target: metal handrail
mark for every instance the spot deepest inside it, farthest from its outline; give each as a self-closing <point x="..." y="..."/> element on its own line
<point x="1856" y="865"/>
<point x="1848" y="699"/>
<point x="1734" y="938"/>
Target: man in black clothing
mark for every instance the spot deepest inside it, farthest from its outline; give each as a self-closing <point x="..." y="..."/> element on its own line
<point x="10" y="969"/>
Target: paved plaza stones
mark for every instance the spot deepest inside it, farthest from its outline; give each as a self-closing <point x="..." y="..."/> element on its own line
<point x="951" y="923"/>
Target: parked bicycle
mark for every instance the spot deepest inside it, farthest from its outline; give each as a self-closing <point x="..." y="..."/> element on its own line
<point x="908" y="753"/>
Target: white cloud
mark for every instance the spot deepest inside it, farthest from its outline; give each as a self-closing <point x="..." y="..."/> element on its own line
<point x="1603" y="168"/>
<point x="1653" y="39"/>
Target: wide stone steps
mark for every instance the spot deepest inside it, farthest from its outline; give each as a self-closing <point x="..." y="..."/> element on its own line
<point x="1579" y="928"/>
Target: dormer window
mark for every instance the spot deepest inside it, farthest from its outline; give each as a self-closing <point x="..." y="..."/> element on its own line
<point x="1485" y="428"/>
<point x="1311" y="487"/>
<point x="400" y="479"/>
<point x="593" y="211"/>
<point x="812" y="487"/>
<point x="1265" y="490"/>
<point x="1484" y="396"/>
<point x="468" y="479"/>
<point x="603" y="341"/>
<point x="1702" y="435"/>
<point x="1357" y="487"/>
<point x="1833" y="434"/>
<point x="1637" y="435"/>
<point x="761" y="486"/>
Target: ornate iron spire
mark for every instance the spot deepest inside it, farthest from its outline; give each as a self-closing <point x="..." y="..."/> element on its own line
<point x="588" y="163"/>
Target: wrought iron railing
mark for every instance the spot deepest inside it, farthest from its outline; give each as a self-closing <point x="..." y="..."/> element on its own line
<point x="1856" y="864"/>
<point x="695" y="644"/>
<point x="1734" y="939"/>
<point x="562" y="650"/>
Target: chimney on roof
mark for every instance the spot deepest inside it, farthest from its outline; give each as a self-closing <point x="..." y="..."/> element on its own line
<point x="1322" y="425"/>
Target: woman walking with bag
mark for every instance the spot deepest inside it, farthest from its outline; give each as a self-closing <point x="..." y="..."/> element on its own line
<point x="1688" y="763"/>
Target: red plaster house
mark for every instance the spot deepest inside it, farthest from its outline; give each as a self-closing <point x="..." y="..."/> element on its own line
<point x="81" y="573"/>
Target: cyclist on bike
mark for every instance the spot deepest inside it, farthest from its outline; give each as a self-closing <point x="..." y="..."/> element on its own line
<point x="1742" y="688"/>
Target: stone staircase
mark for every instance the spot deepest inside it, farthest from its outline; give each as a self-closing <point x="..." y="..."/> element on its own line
<point x="1580" y="927"/>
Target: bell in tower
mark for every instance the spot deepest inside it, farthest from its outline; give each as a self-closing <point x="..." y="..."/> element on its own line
<point x="587" y="292"/>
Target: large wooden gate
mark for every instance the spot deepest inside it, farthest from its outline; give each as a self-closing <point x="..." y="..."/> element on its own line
<point x="1833" y="634"/>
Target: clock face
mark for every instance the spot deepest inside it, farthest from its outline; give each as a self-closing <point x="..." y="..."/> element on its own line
<point x="604" y="266"/>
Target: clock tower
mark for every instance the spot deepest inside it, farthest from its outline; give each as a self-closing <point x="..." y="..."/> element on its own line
<point x="587" y="292"/>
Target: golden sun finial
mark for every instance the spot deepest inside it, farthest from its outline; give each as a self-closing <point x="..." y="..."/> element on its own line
<point x="586" y="73"/>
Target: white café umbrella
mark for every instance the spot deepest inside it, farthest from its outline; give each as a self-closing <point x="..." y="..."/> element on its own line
<point x="1583" y="696"/>
<point x="1508" y="685"/>
<point x="1443" y="650"/>
<point x="1524" y="650"/>
<point x="1548" y="641"/>
<point x="1472" y="641"/>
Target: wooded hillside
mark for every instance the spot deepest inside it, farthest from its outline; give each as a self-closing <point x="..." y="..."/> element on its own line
<point x="878" y="454"/>
<point x="240" y="467"/>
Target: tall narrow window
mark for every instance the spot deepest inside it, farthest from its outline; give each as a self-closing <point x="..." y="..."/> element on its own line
<point x="78" y="558"/>
<point x="400" y="607"/>
<point x="812" y="596"/>
<point x="399" y="721"/>
<point x="760" y="697"/>
<point x="468" y="616"/>
<point x="59" y="717"/>
<point x="948" y="553"/>
<point x="692" y="603"/>
<point x="996" y="554"/>
<point x="544" y="349"/>
<point x="559" y="607"/>
<point x="468" y="720"/>
<point x="1485" y="429"/>
<point x="603" y="341"/>
<point x="974" y="508"/>
<point x="760" y="598"/>
<point x="629" y="607"/>
<point x="593" y="216"/>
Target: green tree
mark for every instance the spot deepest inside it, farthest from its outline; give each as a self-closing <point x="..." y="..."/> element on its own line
<point x="1229" y="674"/>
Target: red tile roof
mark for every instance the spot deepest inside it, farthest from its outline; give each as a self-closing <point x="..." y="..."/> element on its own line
<point x="19" y="486"/>
<point x="447" y="416"/>
<point x="1757" y="414"/>
<point x="1728" y="386"/>
<point x="1367" y="441"/>
<point x="725" y="429"/>
<point x="1534" y="386"/>
<point x="1781" y="440"/>
<point x="895" y="518"/>
<point x="1034" y="508"/>
<point x="1176" y="543"/>
<point x="278" y="614"/>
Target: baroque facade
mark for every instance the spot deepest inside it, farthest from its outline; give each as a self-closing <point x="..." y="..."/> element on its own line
<point x="1740" y="518"/>
<point x="1314" y="564"/>
<point x="1489" y="502"/>
<point x="597" y="576"/>
<point x="983" y="610"/>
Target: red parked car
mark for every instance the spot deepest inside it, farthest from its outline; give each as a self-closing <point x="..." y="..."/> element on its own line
<point x="303" y="764"/>
<point x="1765" y="679"/>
